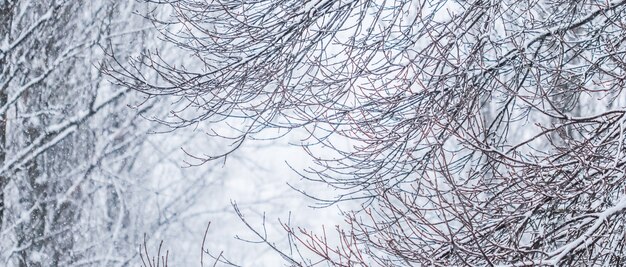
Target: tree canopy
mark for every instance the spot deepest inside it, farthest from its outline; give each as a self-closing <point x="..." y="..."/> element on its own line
<point x="481" y="132"/>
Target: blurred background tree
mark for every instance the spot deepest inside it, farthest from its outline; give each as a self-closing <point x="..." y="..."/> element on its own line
<point x="82" y="179"/>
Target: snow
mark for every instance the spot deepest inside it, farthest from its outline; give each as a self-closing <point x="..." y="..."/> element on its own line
<point x="400" y="99"/>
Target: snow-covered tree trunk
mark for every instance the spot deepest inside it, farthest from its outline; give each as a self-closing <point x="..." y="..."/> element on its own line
<point x="6" y="11"/>
<point x="55" y="142"/>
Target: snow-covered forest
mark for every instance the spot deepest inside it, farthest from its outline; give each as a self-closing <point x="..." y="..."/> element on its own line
<point x="312" y="133"/>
